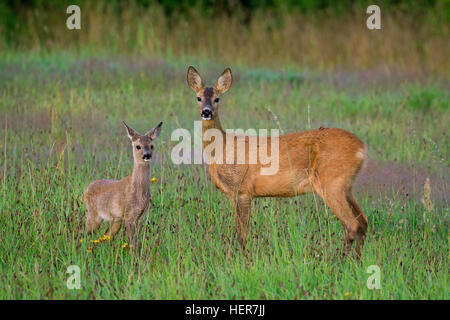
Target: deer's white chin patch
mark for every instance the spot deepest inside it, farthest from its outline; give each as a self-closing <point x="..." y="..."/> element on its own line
<point x="206" y="118"/>
<point x="147" y="160"/>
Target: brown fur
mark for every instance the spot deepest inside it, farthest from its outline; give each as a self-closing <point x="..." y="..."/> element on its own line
<point x="325" y="161"/>
<point x="126" y="199"/>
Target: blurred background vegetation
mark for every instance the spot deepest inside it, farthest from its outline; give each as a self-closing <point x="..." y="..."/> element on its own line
<point x="308" y="34"/>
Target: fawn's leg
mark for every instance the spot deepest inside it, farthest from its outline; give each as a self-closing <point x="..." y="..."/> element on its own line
<point x="93" y="221"/>
<point x="91" y="224"/>
<point x="130" y="227"/>
<point x="242" y="207"/>
<point x="114" y="227"/>
<point x="138" y="232"/>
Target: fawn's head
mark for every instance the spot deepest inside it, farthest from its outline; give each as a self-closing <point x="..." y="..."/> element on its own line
<point x="208" y="97"/>
<point x="143" y="144"/>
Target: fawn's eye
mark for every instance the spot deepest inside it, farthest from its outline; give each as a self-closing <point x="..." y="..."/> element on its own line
<point x="199" y="99"/>
<point x="216" y="100"/>
<point x="138" y="147"/>
<point x="151" y="147"/>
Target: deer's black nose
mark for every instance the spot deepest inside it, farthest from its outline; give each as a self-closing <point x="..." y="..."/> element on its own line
<point x="147" y="156"/>
<point x="206" y="113"/>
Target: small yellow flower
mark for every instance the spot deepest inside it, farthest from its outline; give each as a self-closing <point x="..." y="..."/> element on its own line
<point x="347" y="294"/>
<point x="105" y="238"/>
<point x="81" y="240"/>
<point x="154" y="179"/>
<point x="125" y="245"/>
<point x="89" y="249"/>
<point x="97" y="241"/>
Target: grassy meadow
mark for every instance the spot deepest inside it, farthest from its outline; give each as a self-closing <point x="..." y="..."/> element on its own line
<point x="62" y="103"/>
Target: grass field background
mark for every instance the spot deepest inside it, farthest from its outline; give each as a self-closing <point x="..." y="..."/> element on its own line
<point x="61" y="111"/>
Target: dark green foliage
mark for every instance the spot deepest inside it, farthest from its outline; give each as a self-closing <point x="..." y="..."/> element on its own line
<point x="427" y="99"/>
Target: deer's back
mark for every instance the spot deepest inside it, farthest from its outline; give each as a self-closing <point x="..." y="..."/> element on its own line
<point x="102" y="186"/>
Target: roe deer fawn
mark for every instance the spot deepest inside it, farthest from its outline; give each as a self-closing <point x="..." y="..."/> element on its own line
<point x="127" y="199"/>
<point x="325" y="161"/>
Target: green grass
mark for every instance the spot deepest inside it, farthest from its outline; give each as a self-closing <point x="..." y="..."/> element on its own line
<point x="189" y="247"/>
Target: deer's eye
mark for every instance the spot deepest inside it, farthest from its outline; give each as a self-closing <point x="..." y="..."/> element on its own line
<point x="216" y="100"/>
<point x="138" y="147"/>
<point x="199" y="99"/>
<point x="151" y="147"/>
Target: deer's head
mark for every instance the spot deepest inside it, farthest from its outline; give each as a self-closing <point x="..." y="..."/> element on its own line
<point x="208" y="97"/>
<point x="143" y="144"/>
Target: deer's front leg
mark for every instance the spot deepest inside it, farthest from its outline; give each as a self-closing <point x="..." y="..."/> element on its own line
<point x="133" y="225"/>
<point x="114" y="227"/>
<point x="242" y="206"/>
<point x="130" y="227"/>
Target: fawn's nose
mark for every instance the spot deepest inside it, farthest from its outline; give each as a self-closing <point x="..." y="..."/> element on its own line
<point x="207" y="113"/>
<point x="147" y="156"/>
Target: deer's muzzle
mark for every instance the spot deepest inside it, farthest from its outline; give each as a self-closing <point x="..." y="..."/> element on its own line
<point x="207" y="113"/>
<point x="147" y="156"/>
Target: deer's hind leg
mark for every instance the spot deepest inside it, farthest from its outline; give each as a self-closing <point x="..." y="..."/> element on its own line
<point x="93" y="221"/>
<point x="340" y="207"/>
<point x="335" y="196"/>
<point x="362" y="220"/>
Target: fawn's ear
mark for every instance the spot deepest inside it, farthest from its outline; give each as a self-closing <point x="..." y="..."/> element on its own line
<point x="154" y="133"/>
<point x="194" y="80"/>
<point x="224" y="81"/>
<point x="132" y="134"/>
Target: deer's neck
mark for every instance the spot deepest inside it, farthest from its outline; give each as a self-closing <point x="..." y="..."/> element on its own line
<point x="212" y="124"/>
<point x="140" y="177"/>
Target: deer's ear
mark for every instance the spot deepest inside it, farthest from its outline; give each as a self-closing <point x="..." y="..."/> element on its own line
<point x="194" y="80"/>
<point x="154" y="133"/>
<point x="224" y="81"/>
<point x="132" y="134"/>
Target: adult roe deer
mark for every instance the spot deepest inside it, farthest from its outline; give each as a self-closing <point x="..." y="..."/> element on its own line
<point x="325" y="161"/>
<point x="127" y="199"/>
